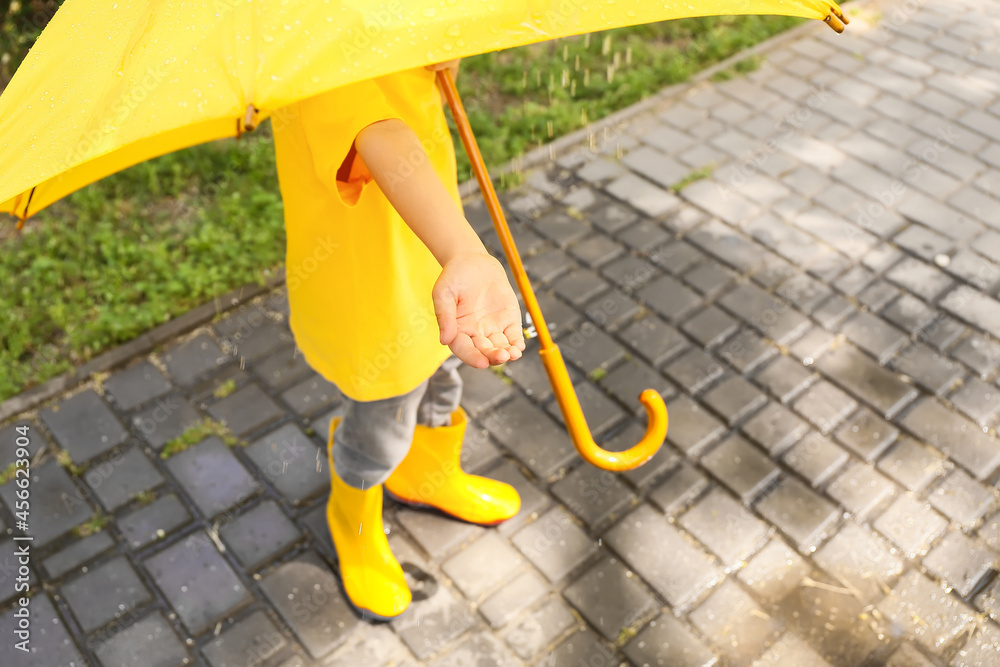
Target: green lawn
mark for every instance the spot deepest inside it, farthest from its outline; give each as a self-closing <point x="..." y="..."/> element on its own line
<point x="145" y="245"/>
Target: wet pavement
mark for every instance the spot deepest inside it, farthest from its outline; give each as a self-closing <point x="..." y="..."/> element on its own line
<point x="819" y="310"/>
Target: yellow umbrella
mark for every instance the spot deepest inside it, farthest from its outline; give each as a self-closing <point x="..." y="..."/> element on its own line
<point x="112" y="84"/>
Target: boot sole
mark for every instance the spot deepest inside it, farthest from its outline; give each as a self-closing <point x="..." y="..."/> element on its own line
<point x="364" y="613"/>
<point x="434" y="508"/>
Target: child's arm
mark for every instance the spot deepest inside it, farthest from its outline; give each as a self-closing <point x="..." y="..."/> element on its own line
<point x="476" y="308"/>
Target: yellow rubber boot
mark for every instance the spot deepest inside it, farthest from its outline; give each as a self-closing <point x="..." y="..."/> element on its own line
<point x="431" y="476"/>
<point x="372" y="577"/>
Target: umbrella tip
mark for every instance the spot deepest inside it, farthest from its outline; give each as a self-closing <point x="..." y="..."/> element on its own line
<point x="836" y="20"/>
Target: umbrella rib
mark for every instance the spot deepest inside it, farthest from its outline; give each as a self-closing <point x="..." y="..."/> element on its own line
<point x="24" y="216"/>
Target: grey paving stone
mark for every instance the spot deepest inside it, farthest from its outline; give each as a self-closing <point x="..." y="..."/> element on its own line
<point x="592" y="494"/>
<point x="832" y="622"/>
<point x="734" y="398"/>
<point x="861" y="490"/>
<point x="669" y="298"/>
<point x="610" y="598"/>
<point x="932" y="371"/>
<point x="865" y="379"/>
<point x="308" y="598"/>
<point x="516" y="595"/>
<point x="824" y="405"/>
<point x="654" y="340"/>
<point x="867" y="434"/>
<point x="628" y="380"/>
<point x="212" y="475"/>
<point x="590" y="348"/>
<point x="912" y="464"/>
<point x="923" y="242"/>
<point x="746" y="351"/>
<point x="978" y="400"/>
<point x="530" y="435"/>
<point x="105" y="593"/>
<point x="287" y="458"/>
<point x="540" y="628"/>
<point x="118" y="480"/>
<point x="50" y="643"/>
<point x="692" y="428"/>
<point x="960" y="561"/>
<point x="481" y="389"/>
<point x="84" y="426"/>
<point x="710" y="327"/>
<point x="165" y="419"/>
<point x="909" y="313"/>
<point x="437" y="534"/>
<point x="145" y="525"/>
<point x="676" y="258"/>
<point x="974" y="307"/>
<point x="785" y="378"/>
<point x="482" y="565"/>
<point x="74" y="555"/>
<point x="735" y="623"/>
<point x="878" y="295"/>
<point x="962" y="499"/>
<point x="854" y="280"/>
<point x="911" y="524"/>
<point x="197" y="581"/>
<point x="682" y="486"/>
<point x="582" y="645"/>
<point x="804" y="292"/>
<point x="311" y="395"/>
<point x="774" y="571"/>
<point x="281" y="367"/>
<point x="193" y="358"/>
<point x="600" y="411"/>
<point x="942" y="332"/>
<point x="666" y="641"/>
<point x="860" y="560"/>
<point x="245" y="410"/>
<point x="547" y="265"/>
<point x="643" y="236"/>
<point x="555" y="544"/>
<point x="919" y="278"/>
<point x="254" y="639"/>
<point x="988" y="600"/>
<point x="694" y="370"/>
<point x="642" y="195"/>
<point x="558" y="316"/>
<point x="923" y="610"/>
<point x="136" y="384"/>
<point x="710" y="278"/>
<point x="612" y="310"/>
<point x="660" y="555"/>
<point x="725" y="527"/>
<point x="580" y="286"/>
<point x="250" y="334"/>
<point x="596" y="250"/>
<point x="56" y="506"/>
<point x="975" y="269"/>
<point x="768" y="315"/>
<point x="734" y="208"/>
<point x="152" y="637"/>
<point x="908" y="656"/>
<point x="775" y="428"/>
<point x="479" y="649"/>
<point x="728" y="246"/>
<point x="790" y="650"/>
<point x="260" y="534"/>
<point x="816" y="458"/>
<point x="955" y="435"/>
<point x="874" y="335"/>
<point x="612" y="216"/>
<point x="561" y="228"/>
<point x="741" y="467"/>
<point x="980" y="649"/>
<point x="798" y="511"/>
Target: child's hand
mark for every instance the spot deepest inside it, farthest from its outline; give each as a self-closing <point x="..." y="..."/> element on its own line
<point x="477" y="311"/>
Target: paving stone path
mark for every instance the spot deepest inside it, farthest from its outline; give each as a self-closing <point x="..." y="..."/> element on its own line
<point x="820" y="313"/>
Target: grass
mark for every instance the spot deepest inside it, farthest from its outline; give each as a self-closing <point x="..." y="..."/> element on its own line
<point x="8" y="473"/>
<point x="691" y="177"/>
<point x="93" y="525"/>
<point x="66" y="461"/>
<point x="195" y="434"/>
<point x="146" y="245"/>
<point x="225" y="389"/>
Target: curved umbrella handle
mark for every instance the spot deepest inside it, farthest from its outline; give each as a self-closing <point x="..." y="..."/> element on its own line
<point x="576" y="424"/>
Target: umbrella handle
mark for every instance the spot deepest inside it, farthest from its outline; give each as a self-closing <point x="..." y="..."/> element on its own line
<point x="555" y="368"/>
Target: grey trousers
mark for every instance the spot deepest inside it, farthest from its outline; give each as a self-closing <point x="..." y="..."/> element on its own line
<point x="374" y="436"/>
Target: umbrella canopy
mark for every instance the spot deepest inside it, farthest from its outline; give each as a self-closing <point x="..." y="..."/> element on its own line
<point x="111" y="83"/>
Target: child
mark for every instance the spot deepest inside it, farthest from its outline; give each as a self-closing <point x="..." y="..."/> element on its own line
<point x="372" y="266"/>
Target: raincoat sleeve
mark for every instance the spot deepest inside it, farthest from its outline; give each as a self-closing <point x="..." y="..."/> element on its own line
<point x="332" y="121"/>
